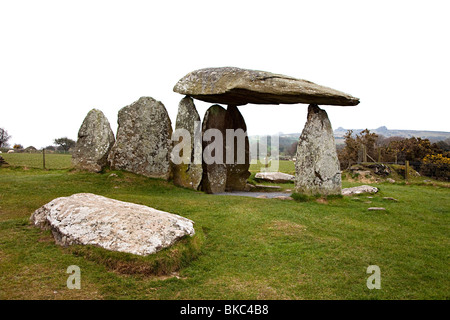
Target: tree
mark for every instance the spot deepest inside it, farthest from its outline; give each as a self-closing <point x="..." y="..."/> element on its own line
<point x="65" y="143"/>
<point x="353" y="144"/>
<point x="413" y="149"/>
<point x="4" y="137"/>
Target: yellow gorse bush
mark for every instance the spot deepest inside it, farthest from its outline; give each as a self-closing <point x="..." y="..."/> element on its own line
<point x="438" y="159"/>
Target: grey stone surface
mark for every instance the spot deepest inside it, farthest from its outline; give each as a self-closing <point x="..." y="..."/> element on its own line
<point x="143" y="141"/>
<point x="274" y="176"/>
<point x="237" y="169"/>
<point x="317" y="169"/>
<point x="189" y="175"/>
<point x="214" y="174"/>
<point x="236" y="86"/>
<point x="376" y="209"/>
<point x="95" y="140"/>
<point x="90" y="219"/>
<point x="359" y="190"/>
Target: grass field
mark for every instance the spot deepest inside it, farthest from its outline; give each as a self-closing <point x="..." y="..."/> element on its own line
<point x="245" y="248"/>
<point x="35" y="160"/>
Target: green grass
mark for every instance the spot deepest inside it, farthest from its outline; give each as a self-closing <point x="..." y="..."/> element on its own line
<point x="35" y="160"/>
<point x="246" y="248"/>
<point x="280" y="165"/>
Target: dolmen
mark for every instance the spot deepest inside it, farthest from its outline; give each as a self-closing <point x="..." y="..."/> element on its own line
<point x="317" y="165"/>
<point x="213" y="155"/>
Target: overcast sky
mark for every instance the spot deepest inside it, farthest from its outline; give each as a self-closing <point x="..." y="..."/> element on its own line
<point x="59" y="59"/>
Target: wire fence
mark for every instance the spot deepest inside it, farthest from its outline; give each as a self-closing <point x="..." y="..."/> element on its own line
<point x="439" y="170"/>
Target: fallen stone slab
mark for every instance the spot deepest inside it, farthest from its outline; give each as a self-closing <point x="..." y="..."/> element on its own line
<point x="274" y="176"/>
<point x="390" y="198"/>
<point x="284" y="198"/>
<point x="359" y="190"/>
<point x="89" y="219"/>
<point x="261" y="186"/>
<point x="236" y="86"/>
<point x="376" y="209"/>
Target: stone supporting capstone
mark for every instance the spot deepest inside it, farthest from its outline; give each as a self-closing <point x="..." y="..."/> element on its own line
<point x="189" y="172"/>
<point x="317" y="169"/>
<point x="214" y="167"/>
<point x="237" y="150"/>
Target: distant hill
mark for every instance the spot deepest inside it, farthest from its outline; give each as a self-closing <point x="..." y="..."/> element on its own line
<point x="433" y="136"/>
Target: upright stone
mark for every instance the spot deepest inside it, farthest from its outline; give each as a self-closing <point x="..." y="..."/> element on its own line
<point x="213" y="132"/>
<point x="189" y="172"/>
<point x="317" y="168"/>
<point x="143" y="142"/>
<point x="237" y="152"/>
<point x="95" y="140"/>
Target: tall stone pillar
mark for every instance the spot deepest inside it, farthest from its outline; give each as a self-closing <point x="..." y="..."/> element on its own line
<point x="214" y="167"/>
<point x="317" y="169"/>
<point x="237" y="150"/>
<point x="189" y="173"/>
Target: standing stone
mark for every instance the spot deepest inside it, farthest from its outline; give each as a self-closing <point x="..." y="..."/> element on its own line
<point x="238" y="159"/>
<point x="189" y="175"/>
<point x="214" y="167"/>
<point x="317" y="168"/>
<point x="143" y="142"/>
<point x="95" y="140"/>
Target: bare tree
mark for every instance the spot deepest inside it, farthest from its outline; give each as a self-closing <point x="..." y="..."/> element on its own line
<point x="4" y="137"/>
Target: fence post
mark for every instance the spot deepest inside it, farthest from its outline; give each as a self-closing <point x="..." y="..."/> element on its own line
<point x="364" y="153"/>
<point x="43" y="157"/>
<point x="406" y="170"/>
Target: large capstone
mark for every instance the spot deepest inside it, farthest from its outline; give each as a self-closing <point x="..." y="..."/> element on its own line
<point x="237" y="154"/>
<point x="236" y="86"/>
<point x="143" y="141"/>
<point x="214" y="167"/>
<point x="187" y="151"/>
<point x="90" y="219"/>
<point x="95" y="140"/>
<point x="317" y="168"/>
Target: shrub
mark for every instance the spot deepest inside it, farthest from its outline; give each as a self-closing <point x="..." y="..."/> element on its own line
<point x="437" y="166"/>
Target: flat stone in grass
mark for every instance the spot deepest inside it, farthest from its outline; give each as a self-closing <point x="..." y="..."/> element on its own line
<point x="274" y="176"/>
<point x="89" y="219"/>
<point x="376" y="209"/>
<point x="359" y="190"/>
